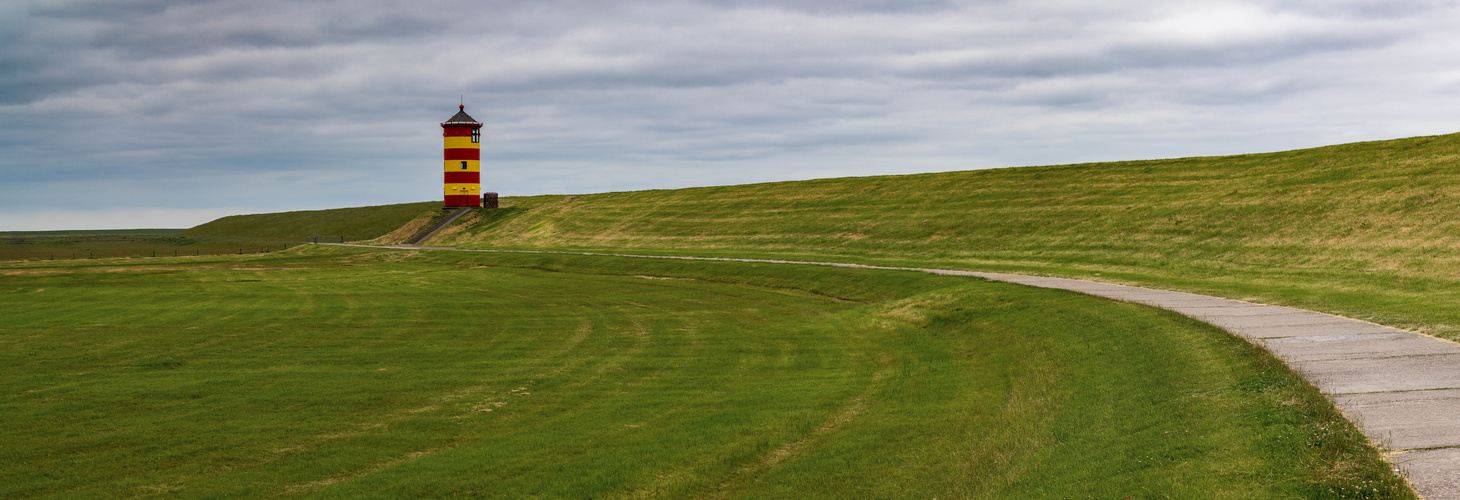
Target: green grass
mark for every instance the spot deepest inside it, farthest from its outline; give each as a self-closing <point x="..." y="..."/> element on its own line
<point x="333" y="372"/>
<point x="359" y="223"/>
<point x="124" y="243"/>
<point x="1365" y="230"/>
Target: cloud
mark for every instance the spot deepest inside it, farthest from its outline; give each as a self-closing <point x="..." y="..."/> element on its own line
<point x="273" y="105"/>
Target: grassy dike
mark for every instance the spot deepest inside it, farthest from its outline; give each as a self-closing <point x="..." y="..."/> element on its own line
<point x="1365" y="230"/>
<point x="237" y="234"/>
<point x="334" y="372"/>
<point x="291" y="228"/>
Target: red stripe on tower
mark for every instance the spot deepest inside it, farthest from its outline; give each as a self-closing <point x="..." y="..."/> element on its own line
<point x="463" y="177"/>
<point x="463" y="154"/>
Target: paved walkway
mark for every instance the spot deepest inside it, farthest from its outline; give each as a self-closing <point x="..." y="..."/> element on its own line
<point x="1401" y="388"/>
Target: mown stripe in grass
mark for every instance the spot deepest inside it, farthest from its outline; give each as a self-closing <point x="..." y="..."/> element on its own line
<point x="352" y="373"/>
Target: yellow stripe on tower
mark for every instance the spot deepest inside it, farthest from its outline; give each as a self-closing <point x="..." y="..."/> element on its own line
<point x="455" y="166"/>
<point x="471" y="189"/>
<point x="461" y="143"/>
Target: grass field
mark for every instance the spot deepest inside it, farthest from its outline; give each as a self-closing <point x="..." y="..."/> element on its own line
<point x="74" y="245"/>
<point x="332" y="372"/>
<point x="341" y="373"/>
<point x="1364" y="230"/>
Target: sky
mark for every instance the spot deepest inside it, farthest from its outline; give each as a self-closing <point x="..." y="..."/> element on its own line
<point x="151" y="113"/>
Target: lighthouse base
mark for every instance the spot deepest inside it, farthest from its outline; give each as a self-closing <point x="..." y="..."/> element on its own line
<point x="462" y="200"/>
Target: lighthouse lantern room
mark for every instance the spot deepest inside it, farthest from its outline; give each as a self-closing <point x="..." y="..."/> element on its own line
<point x="462" y="137"/>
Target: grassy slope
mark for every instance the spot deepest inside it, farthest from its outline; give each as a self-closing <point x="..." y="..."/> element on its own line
<point x="229" y="235"/>
<point x="342" y="373"/>
<point x="1366" y="230"/>
<point x="358" y="223"/>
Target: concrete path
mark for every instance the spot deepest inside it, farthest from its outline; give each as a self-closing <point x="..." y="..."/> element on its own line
<point x="1402" y="389"/>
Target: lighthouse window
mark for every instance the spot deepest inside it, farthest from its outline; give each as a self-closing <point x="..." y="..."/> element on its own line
<point x="463" y="165"/>
<point x="476" y="136"/>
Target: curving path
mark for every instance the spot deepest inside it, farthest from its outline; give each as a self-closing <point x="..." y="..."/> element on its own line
<point x="1401" y="388"/>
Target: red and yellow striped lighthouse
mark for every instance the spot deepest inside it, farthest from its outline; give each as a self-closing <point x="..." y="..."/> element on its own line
<point x="462" y="150"/>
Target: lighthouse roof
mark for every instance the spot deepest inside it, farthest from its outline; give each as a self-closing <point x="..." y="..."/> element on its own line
<point x="462" y="118"/>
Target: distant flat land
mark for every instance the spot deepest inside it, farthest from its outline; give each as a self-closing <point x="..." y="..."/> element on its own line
<point x="91" y="232"/>
<point x="71" y="245"/>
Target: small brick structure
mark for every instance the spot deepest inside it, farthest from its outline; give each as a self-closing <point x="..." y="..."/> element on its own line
<point x="489" y="200"/>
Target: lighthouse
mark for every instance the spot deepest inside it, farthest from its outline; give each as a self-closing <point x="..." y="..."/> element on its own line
<point x="462" y="151"/>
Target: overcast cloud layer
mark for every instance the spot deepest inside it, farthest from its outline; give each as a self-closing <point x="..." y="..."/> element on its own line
<point x="169" y="114"/>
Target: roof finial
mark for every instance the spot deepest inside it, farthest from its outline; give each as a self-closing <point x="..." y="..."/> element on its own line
<point x="461" y="107"/>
